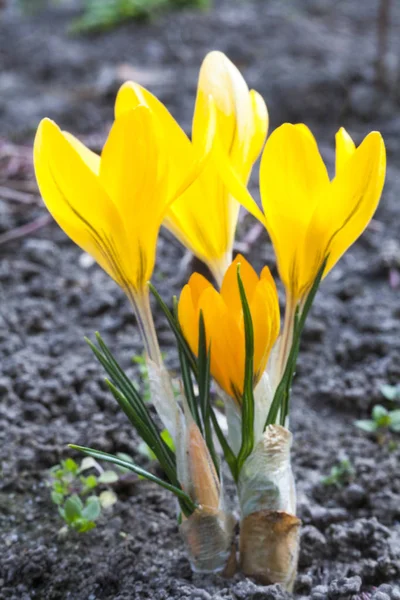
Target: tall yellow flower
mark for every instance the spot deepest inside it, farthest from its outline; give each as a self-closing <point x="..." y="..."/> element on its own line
<point x="113" y="206"/>
<point x="224" y="323"/>
<point x="308" y="216"/>
<point x="204" y="218"/>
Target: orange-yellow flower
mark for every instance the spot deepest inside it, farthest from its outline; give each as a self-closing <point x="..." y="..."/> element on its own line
<point x="224" y="323"/>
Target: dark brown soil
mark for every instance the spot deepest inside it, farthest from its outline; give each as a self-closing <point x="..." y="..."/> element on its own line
<point x="314" y="61"/>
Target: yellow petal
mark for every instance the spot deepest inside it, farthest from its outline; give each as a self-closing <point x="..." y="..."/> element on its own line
<point x="75" y="198"/>
<point x="91" y="158"/>
<point x="263" y="314"/>
<point x="242" y="122"/>
<point x="271" y="293"/>
<point x="198" y="284"/>
<point x="204" y="219"/>
<point x="185" y="162"/>
<point x="230" y="288"/>
<point x="200" y="154"/>
<point x="133" y="170"/>
<point x="220" y="78"/>
<point x="226" y="340"/>
<point x="188" y="316"/>
<point x="129" y="96"/>
<point x="343" y="215"/>
<point x="345" y="148"/>
<point x="293" y="178"/>
<point x="241" y="127"/>
<point x="232" y="181"/>
<point x="267" y="276"/>
<point x="260" y="125"/>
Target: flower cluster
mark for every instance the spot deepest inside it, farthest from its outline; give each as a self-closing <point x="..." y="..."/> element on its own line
<point x="150" y="174"/>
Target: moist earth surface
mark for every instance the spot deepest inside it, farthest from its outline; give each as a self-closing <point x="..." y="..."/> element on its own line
<point x="314" y="61"/>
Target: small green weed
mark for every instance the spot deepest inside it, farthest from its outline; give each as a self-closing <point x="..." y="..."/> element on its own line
<point x="74" y="492"/>
<point x="341" y="474"/>
<point x="391" y="392"/>
<point x="382" y="419"/>
<point x="107" y="14"/>
<point x="102" y="15"/>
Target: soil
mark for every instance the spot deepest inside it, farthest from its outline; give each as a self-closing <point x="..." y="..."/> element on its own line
<point x="314" y="61"/>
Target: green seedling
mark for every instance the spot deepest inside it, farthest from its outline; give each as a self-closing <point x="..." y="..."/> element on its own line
<point x="382" y="419"/>
<point x="391" y="392"/>
<point x="340" y="475"/>
<point x="74" y="492"/>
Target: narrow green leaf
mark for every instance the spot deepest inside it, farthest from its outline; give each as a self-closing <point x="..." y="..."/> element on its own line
<point x="174" y="325"/>
<point x="248" y="392"/>
<point x="98" y="455"/>
<point x="148" y="429"/>
<point x="282" y="393"/>
<point x="188" y="388"/>
<point x="125" y="457"/>
<point x="118" y="375"/>
<point x="134" y="407"/>
<point x="204" y="382"/>
<point x="154" y="441"/>
<point x="203" y="365"/>
<point x="144" y="449"/>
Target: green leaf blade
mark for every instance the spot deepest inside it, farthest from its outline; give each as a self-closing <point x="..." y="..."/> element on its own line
<point x="248" y="410"/>
<point x="130" y="466"/>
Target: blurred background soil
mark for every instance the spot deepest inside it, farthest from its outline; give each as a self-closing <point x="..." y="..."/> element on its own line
<point x="315" y="61"/>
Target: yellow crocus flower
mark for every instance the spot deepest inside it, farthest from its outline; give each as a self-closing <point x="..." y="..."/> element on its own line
<point x="307" y="215"/>
<point x="204" y="218"/>
<point x="113" y="206"/>
<point x="224" y="324"/>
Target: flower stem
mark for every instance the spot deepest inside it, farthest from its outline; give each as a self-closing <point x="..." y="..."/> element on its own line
<point x="287" y="337"/>
<point x="142" y="309"/>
